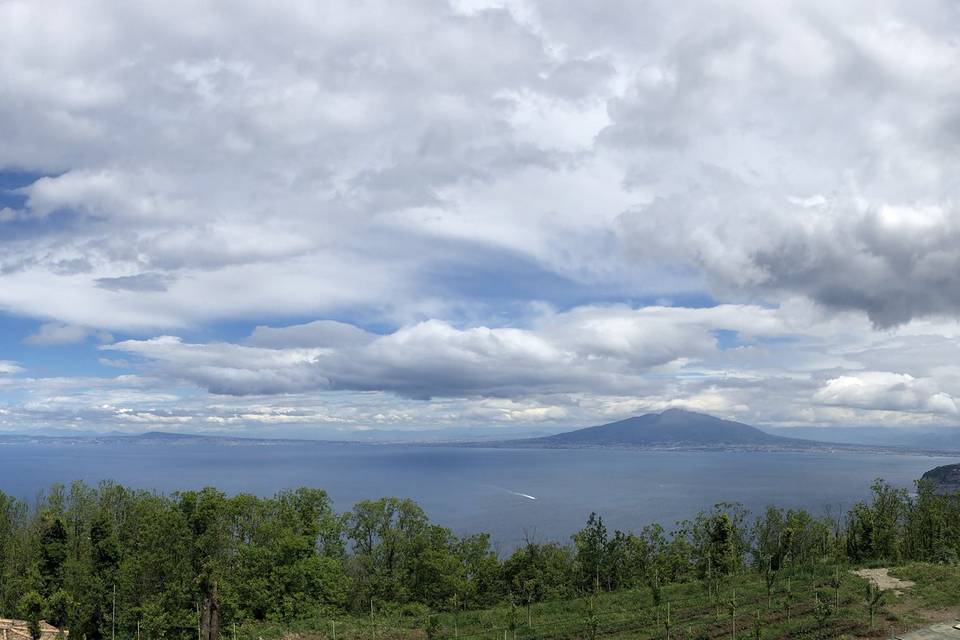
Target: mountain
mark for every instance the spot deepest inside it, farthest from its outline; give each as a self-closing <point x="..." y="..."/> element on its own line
<point x="946" y="478"/>
<point x="941" y="438"/>
<point x="674" y="427"/>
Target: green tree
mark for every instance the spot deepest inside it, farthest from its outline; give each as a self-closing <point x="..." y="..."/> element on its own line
<point x="206" y="513"/>
<point x="58" y="608"/>
<point x="53" y="553"/>
<point x="719" y="539"/>
<point x="539" y="571"/>
<point x="874" y="598"/>
<point x="383" y="534"/>
<point x="591" y="546"/>
<point x="481" y="573"/>
<point x="32" y="609"/>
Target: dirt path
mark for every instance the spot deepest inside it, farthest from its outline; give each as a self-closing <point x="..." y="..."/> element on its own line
<point x="883" y="579"/>
<point x="943" y="631"/>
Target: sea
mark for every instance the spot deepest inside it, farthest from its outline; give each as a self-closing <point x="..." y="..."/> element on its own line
<point x="512" y="494"/>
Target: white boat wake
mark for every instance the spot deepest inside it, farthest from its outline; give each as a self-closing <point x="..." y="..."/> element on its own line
<point x="515" y="493"/>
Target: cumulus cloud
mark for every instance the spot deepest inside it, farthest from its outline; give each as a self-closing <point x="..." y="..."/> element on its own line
<point x="795" y="364"/>
<point x="601" y="349"/>
<point x="886" y="391"/>
<point x="893" y="262"/>
<point x="797" y="152"/>
<point x="226" y="165"/>
<point x="772" y="150"/>
<point x="789" y="165"/>
<point x="783" y="366"/>
<point x="608" y="350"/>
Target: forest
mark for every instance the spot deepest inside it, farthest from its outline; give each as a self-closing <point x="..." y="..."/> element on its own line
<point x="108" y="561"/>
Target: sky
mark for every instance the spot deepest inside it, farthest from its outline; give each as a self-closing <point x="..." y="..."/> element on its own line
<point x="309" y="218"/>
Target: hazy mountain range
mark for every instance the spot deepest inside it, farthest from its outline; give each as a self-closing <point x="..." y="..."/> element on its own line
<point x="674" y="428"/>
<point x="946" y="438"/>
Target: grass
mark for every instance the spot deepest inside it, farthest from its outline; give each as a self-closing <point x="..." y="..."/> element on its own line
<point x="802" y="605"/>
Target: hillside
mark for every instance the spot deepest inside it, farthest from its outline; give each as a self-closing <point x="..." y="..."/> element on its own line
<point x="946" y="478"/>
<point x="939" y="438"/>
<point x="674" y="427"/>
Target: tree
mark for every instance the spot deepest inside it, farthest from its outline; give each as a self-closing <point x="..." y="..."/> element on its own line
<point x="58" y="608"/>
<point x="290" y="557"/>
<point x="930" y="525"/>
<point x="889" y="506"/>
<point x="875" y="598"/>
<point x="769" y="580"/>
<point x="860" y="533"/>
<point x="836" y="583"/>
<point x="513" y="621"/>
<point x="655" y="582"/>
<point x="539" y="571"/>
<point x="94" y="576"/>
<point x="667" y="623"/>
<point x="767" y="549"/>
<point x="591" y="545"/>
<point x="53" y="553"/>
<point x="12" y="520"/>
<point x="821" y="609"/>
<point x="875" y="531"/>
<point x="719" y="540"/>
<point x="32" y="607"/>
<point x="432" y="628"/>
<point x="383" y="532"/>
<point x="205" y="513"/>
<point x="591" y="616"/>
<point x="481" y="573"/>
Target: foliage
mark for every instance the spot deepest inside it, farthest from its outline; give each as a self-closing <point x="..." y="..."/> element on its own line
<point x="32" y="607"/>
<point x="172" y="561"/>
<point x="875" y="598"/>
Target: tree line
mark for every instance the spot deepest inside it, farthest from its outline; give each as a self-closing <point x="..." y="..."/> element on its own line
<point x="108" y="559"/>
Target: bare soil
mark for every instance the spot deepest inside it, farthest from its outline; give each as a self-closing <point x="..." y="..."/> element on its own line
<point x="883" y="579"/>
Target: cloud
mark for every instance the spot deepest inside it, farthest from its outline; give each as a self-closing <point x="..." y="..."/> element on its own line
<point x="795" y="364"/>
<point x="769" y="366"/>
<point x="748" y="151"/>
<point x="786" y="153"/>
<point x="8" y="367"/>
<point x="54" y="334"/>
<point x="320" y="333"/>
<point x="790" y="167"/>
<point x="143" y="282"/>
<point x="594" y="348"/>
<point x="221" y="164"/>
<point x="893" y="262"/>
<point x="605" y="350"/>
<point x="886" y="391"/>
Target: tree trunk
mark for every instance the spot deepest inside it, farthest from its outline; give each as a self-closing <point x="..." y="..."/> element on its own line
<point x="210" y="617"/>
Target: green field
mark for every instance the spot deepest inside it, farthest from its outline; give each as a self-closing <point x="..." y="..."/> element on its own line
<point x="807" y="604"/>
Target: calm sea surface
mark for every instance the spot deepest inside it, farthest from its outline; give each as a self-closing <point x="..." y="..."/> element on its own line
<point x="474" y="490"/>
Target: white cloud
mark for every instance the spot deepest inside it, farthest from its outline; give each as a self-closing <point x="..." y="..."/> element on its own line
<point x="444" y="172"/>
<point x="789" y="365"/>
<point x="223" y="161"/>
<point x="54" y="334"/>
<point x="8" y="367"/>
<point x="886" y="391"/>
<point x="589" y="348"/>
